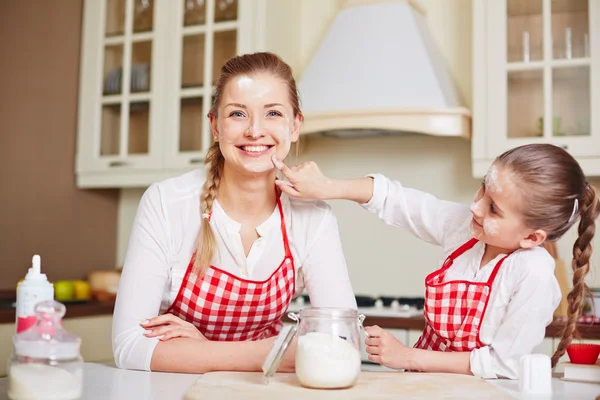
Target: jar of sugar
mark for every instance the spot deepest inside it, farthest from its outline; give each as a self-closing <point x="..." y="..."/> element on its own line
<point x="46" y="364"/>
<point x="328" y="347"/>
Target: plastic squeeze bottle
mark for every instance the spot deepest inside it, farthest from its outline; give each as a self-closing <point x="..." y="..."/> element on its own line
<point x="33" y="289"/>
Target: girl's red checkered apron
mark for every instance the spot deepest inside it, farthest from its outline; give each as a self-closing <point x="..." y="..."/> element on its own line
<point x="454" y="310"/>
<point x="225" y="307"/>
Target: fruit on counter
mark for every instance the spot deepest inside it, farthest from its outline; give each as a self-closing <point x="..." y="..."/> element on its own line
<point x="64" y="291"/>
<point x="104" y="284"/>
<point x="82" y="290"/>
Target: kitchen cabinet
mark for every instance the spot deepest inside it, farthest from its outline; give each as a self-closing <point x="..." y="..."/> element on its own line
<point x="148" y="70"/>
<point x="536" y="78"/>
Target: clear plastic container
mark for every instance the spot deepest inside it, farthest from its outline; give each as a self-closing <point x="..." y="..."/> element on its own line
<point x="328" y="347"/>
<point x="46" y="364"/>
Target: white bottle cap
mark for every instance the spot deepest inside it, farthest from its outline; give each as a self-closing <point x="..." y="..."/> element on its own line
<point x="35" y="271"/>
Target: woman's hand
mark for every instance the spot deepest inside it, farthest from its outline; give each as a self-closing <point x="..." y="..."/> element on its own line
<point x="308" y="182"/>
<point x="168" y="326"/>
<point x="385" y="349"/>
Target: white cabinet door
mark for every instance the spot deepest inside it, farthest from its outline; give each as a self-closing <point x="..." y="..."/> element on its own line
<point x="120" y="88"/>
<point x="536" y="78"/>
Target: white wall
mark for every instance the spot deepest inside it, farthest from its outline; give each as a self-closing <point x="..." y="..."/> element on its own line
<point x="381" y="259"/>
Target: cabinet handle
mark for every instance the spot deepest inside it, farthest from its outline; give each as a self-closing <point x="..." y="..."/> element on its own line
<point x="117" y="163"/>
<point x="196" y="160"/>
<point x="565" y="147"/>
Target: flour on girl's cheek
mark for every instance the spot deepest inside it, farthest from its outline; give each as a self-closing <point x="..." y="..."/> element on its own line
<point x="490" y="227"/>
<point x="474" y="232"/>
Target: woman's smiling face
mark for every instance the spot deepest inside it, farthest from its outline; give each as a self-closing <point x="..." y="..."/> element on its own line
<point x="255" y="120"/>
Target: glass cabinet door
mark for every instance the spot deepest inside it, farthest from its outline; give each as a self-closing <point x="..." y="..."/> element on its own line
<point x="208" y="37"/>
<point x="543" y="55"/>
<point x="126" y="80"/>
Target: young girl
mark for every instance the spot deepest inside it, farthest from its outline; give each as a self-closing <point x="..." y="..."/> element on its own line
<point x="216" y="256"/>
<point x="495" y="291"/>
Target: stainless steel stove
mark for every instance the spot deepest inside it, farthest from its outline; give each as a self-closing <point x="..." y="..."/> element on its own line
<point x="382" y="306"/>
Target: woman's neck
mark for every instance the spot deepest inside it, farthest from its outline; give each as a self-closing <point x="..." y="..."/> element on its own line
<point x="247" y="198"/>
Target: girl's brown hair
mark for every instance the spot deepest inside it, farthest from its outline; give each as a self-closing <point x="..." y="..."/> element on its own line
<point x="556" y="193"/>
<point x="247" y="64"/>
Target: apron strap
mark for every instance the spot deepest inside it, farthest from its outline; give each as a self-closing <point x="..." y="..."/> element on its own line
<point x="466" y="246"/>
<point x="286" y="244"/>
<point x="497" y="268"/>
<point x="458" y="252"/>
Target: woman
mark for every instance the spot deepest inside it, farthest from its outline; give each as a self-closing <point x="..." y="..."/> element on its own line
<point x="216" y="256"/>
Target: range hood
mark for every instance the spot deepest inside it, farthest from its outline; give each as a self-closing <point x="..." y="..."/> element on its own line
<point x="378" y="71"/>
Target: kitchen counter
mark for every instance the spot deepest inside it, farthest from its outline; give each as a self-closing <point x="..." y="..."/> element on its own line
<point x="102" y="382"/>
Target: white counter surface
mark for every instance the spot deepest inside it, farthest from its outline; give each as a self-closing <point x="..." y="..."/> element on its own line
<point x="104" y="382"/>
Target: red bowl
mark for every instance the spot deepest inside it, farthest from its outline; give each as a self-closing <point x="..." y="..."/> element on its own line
<point x="583" y="353"/>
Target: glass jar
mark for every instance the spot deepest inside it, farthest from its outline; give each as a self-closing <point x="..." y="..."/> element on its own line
<point x="46" y="364"/>
<point x="328" y="347"/>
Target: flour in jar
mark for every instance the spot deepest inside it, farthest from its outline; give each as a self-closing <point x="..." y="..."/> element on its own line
<point x="326" y="361"/>
<point x="42" y="382"/>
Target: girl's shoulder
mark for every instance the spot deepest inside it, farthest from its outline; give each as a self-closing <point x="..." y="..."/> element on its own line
<point x="533" y="263"/>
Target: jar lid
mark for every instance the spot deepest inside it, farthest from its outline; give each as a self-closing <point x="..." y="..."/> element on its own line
<point x="47" y="338"/>
<point x="328" y="313"/>
<point x="284" y="339"/>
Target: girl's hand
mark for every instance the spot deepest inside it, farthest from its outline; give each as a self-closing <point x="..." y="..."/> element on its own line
<point x="168" y="326"/>
<point x="385" y="349"/>
<point x="307" y="179"/>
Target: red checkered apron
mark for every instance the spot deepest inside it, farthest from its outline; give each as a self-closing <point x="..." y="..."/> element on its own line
<point x="454" y="310"/>
<point x="228" y="308"/>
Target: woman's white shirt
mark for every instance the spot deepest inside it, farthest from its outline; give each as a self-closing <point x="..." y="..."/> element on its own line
<point x="163" y="239"/>
<point x="524" y="294"/>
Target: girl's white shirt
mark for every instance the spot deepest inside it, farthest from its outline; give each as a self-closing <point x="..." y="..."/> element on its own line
<point x="163" y="239"/>
<point x="524" y="294"/>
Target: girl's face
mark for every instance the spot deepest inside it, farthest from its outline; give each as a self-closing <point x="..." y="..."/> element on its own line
<point x="496" y="219"/>
<point x="255" y="120"/>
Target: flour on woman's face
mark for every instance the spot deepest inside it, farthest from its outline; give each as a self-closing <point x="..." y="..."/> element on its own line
<point x="256" y="122"/>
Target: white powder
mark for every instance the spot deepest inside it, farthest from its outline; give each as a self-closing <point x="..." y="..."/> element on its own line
<point x="43" y="382"/>
<point x="492" y="182"/>
<point x="325" y="361"/>
<point x="474" y="232"/>
<point x="475" y="209"/>
<point x="490" y="226"/>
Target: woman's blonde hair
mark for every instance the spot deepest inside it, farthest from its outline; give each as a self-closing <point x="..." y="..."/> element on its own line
<point x="247" y="64"/>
